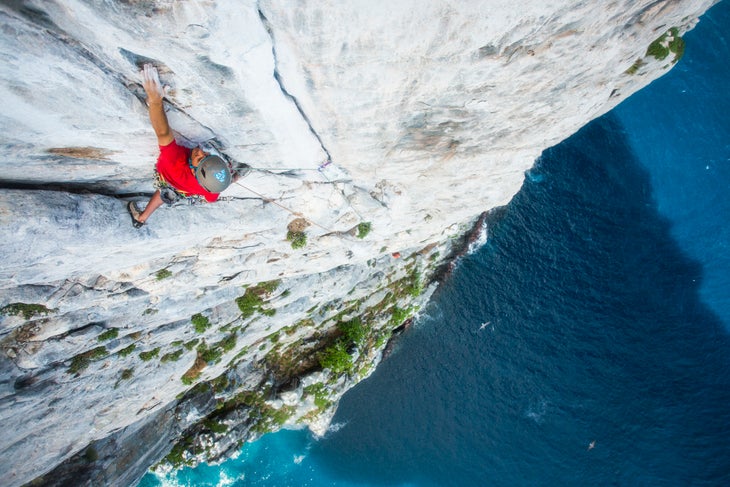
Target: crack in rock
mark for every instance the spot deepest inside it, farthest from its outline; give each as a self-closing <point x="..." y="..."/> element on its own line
<point x="280" y="82"/>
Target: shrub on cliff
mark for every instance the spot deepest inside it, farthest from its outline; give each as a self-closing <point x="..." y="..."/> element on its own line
<point x="163" y="274"/>
<point x="200" y="322"/>
<point x="354" y="331"/>
<point x="336" y="359"/>
<point x="252" y="300"/>
<point x="297" y="239"/>
<point x="363" y="229"/>
<point x="669" y="42"/>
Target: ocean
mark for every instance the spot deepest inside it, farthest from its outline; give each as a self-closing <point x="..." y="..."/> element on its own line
<point x="587" y="342"/>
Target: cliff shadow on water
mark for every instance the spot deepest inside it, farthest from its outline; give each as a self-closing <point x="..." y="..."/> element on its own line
<point x="572" y="349"/>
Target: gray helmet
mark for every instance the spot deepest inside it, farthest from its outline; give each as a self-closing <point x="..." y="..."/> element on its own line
<point x="213" y="174"/>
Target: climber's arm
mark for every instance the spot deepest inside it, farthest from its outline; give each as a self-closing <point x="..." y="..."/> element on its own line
<point x="153" y="88"/>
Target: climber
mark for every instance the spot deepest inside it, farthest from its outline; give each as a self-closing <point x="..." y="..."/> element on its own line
<point x="180" y="172"/>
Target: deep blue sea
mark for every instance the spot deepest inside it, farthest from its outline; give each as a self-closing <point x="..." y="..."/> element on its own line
<point x="586" y="343"/>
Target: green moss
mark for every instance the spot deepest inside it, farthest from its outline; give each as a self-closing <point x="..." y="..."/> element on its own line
<point x="150" y="354"/>
<point x="82" y="360"/>
<point x="127" y="374"/>
<point x="176" y="457"/>
<point x="191" y="344"/>
<point x="249" y="304"/>
<point x="210" y="354"/>
<point x="381" y="340"/>
<point x="336" y="358"/>
<point x="363" y="372"/>
<point x="269" y="417"/>
<point x="194" y="372"/>
<point x="97" y="353"/>
<point x="214" y="353"/>
<point x="321" y="397"/>
<point x="220" y="383"/>
<point x="200" y="322"/>
<point x="27" y="310"/>
<point x="267" y="287"/>
<point x="657" y="49"/>
<point x="109" y="334"/>
<point x="162" y="274"/>
<point x="292" y="329"/>
<point x="281" y="415"/>
<point x="251" y="399"/>
<point x="150" y="311"/>
<point x="228" y="343"/>
<point x="91" y="455"/>
<point x="215" y="426"/>
<point x="262" y="417"/>
<point x="172" y="356"/>
<point x="298" y="239"/>
<point x="306" y="322"/>
<point x="127" y="350"/>
<point x="252" y="300"/>
<point x="415" y="288"/>
<point x="240" y="354"/>
<point x="363" y="229"/>
<point x="400" y="315"/>
<point x="676" y="45"/>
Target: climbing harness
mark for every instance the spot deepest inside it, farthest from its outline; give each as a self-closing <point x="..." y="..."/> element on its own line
<point x="171" y="195"/>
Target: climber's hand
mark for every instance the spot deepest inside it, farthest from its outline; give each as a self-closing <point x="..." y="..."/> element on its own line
<point x="155" y="94"/>
<point x="152" y="85"/>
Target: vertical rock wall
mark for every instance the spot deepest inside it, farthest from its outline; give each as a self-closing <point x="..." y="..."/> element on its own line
<point x="373" y="127"/>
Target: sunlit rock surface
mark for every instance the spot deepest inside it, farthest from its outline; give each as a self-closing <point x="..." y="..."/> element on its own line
<point x="413" y="116"/>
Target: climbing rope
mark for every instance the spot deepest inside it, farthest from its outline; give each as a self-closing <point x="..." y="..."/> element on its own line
<point x="283" y="170"/>
<point x="319" y="169"/>
<point x="271" y="200"/>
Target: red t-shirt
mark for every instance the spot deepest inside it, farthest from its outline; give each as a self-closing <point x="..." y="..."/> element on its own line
<point x="173" y="167"/>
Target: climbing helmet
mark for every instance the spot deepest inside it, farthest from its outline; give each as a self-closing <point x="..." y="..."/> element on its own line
<point x="213" y="174"/>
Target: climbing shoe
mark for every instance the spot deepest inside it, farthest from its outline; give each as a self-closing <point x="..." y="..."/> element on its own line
<point x="135" y="214"/>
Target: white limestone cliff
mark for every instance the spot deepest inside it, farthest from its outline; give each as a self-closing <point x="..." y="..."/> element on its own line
<point x="413" y="116"/>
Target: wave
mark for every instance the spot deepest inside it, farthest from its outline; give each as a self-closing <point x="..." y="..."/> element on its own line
<point x="335" y="427"/>
<point x="480" y="237"/>
<point x="178" y="478"/>
<point x="225" y="480"/>
<point x="533" y="175"/>
<point x="537" y="412"/>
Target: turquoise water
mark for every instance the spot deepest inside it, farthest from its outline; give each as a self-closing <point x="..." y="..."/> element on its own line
<point x="586" y="343"/>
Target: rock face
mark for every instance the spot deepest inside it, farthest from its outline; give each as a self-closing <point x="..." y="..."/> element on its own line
<point x="371" y="127"/>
